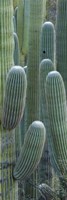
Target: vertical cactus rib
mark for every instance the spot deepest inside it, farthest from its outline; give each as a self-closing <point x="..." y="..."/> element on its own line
<point x="61" y="40"/>
<point x="31" y="151"/>
<point x="14" y="100"/>
<point x="57" y="111"/>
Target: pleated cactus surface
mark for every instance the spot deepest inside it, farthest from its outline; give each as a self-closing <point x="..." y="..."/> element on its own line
<point x="46" y="66"/>
<point x="8" y="187"/>
<point x="14" y="100"/>
<point x="31" y="151"/>
<point x="47" y="48"/>
<point x="57" y="112"/>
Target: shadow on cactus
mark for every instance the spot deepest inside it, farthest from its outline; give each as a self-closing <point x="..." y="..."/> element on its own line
<point x="31" y="151"/>
<point x="14" y="99"/>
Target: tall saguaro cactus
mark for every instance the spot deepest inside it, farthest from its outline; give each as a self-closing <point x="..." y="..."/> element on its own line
<point x="36" y="20"/>
<point x="7" y="142"/>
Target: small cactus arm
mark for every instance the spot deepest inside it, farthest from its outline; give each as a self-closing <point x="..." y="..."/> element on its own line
<point x="16" y="49"/>
<point x="47" y="47"/>
<point x="31" y="151"/>
<point x="57" y="112"/>
<point x="14" y="100"/>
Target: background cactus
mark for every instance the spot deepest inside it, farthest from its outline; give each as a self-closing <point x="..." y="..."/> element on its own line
<point x="16" y="50"/>
<point x="61" y="39"/>
<point x="15" y="94"/>
<point x="31" y="151"/>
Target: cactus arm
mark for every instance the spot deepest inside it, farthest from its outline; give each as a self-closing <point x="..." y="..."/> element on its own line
<point x="14" y="100"/>
<point x="31" y="151"/>
<point x="56" y="104"/>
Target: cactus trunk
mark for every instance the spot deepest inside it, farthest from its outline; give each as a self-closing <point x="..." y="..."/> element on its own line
<point x="8" y="188"/>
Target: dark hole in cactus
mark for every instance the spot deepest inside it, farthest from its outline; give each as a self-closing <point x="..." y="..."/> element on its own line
<point x="44" y="51"/>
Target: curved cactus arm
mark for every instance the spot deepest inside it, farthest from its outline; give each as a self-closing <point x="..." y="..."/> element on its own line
<point x="31" y="151"/>
<point x="57" y="112"/>
<point x="14" y="100"/>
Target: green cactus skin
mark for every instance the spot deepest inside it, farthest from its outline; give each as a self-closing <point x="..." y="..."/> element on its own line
<point x="20" y="27"/>
<point x="14" y="100"/>
<point x="47" y="49"/>
<point x="61" y="40"/>
<point x="8" y="187"/>
<point x="31" y="151"/>
<point x="46" y="66"/>
<point x="15" y="3"/>
<point x="36" y="20"/>
<point x="57" y="111"/>
<point x="16" y="49"/>
<point x="26" y="27"/>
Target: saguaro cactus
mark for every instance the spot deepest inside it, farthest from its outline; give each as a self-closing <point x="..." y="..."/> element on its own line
<point x="46" y="66"/>
<point x="8" y="188"/>
<point x="15" y="94"/>
<point x="57" y="111"/>
<point x="61" y="39"/>
<point x="47" y="49"/>
<point x="36" y="20"/>
<point x="31" y="151"/>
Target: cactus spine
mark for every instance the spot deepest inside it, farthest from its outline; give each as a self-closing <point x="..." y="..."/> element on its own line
<point x="56" y="104"/>
<point x="31" y="151"/>
<point x="15" y="94"/>
<point x="61" y="40"/>
<point x="47" y="49"/>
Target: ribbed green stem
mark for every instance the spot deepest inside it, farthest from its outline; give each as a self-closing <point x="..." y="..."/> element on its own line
<point x="57" y="111"/>
<point x="47" y="49"/>
<point x="14" y="100"/>
<point x="16" y="50"/>
<point x="61" y="39"/>
<point x="36" y="20"/>
<point x="46" y="66"/>
<point x="26" y="27"/>
<point x="20" y="27"/>
<point x="8" y="188"/>
<point x="31" y="151"/>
